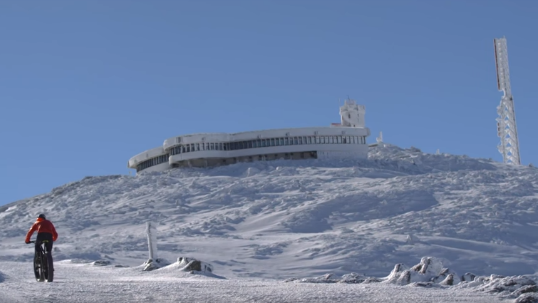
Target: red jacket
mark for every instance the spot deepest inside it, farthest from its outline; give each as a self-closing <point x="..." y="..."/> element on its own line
<point x="42" y="226"/>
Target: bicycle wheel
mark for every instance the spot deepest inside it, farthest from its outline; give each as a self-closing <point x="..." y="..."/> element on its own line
<point x="37" y="268"/>
<point x="42" y="267"/>
<point x="50" y="268"/>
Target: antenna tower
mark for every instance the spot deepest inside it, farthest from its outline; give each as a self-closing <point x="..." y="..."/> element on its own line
<point x="506" y="122"/>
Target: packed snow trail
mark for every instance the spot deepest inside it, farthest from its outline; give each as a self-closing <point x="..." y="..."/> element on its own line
<point x="86" y="283"/>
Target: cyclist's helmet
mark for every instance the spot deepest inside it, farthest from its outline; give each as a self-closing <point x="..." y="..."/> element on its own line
<point x="42" y="216"/>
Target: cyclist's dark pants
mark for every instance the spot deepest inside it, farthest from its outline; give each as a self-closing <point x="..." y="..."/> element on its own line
<point x="40" y="238"/>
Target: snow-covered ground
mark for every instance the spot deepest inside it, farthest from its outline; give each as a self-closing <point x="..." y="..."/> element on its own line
<point x="261" y="223"/>
<point x="87" y="283"/>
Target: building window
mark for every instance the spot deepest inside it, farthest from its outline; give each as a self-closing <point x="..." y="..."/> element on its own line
<point x="152" y="162"/>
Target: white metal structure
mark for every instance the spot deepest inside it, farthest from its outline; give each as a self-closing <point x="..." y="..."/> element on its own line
<point x="506" y="122"/>
<point x="340" y="140"/>
<point x="152" y="241"/>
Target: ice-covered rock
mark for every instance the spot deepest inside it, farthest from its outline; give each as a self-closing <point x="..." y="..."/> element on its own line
<point x="191" y="265"/>
<point x="506" y="285"/>
<point x="428" y="270"/>
<point x="151" y="264"/>
<point x="353" y="278"/>
<point x="468" y="277"/>
<point x="101" y="263"/>
<point x="527" y="298"/>
<point x="524" y="288"/>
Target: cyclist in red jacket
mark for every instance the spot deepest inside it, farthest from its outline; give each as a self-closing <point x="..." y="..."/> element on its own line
<point x="45" y="231"/>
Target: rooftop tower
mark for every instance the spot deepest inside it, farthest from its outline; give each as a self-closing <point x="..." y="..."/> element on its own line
<point x="352" y="114"/>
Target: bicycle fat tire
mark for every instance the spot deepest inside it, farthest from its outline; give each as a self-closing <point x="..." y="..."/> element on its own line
<point x="50" y="268"/>
<point x="37" y="268"/>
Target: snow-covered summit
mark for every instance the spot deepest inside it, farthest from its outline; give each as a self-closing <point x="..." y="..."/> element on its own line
<point x="281" y="219"/>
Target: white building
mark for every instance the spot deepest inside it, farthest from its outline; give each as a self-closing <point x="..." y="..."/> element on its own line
<point x="346" y="139"/>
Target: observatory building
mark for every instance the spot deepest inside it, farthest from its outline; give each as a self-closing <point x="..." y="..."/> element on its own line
<point x="346" y="139"/>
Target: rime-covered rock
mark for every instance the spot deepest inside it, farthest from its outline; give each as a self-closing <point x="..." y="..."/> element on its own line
<point x="468" y="277"/>
<point x="101" y="263"/>
<point x="428" y="270"/>
<point x="398" y="274"/>
<point x="449" y="280"/>
<point x="192" y="265"/>
<point x="525" y="289"/>
<point x="353" y="278"/>
<point x="151" y="264"/>
<point x="527" y="298"/>
<point x="506" y="285"/>
<point x="522" y="288"/>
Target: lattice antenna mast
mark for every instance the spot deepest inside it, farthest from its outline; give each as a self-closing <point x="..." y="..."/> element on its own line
<point x="506" y="122"/>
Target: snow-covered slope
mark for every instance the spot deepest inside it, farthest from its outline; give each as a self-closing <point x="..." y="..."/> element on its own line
<point x="285" y="219"/>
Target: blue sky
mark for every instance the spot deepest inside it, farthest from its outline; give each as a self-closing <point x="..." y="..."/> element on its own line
<point x="85" y="85"/>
